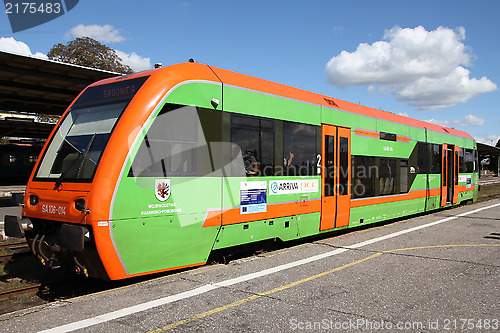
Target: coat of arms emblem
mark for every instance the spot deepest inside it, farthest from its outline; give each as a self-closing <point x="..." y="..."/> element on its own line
<point x="162" y="189"/>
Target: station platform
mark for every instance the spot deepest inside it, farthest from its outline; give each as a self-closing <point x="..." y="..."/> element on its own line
<point x="489" y="180"/>
<point x="6" y="191"/>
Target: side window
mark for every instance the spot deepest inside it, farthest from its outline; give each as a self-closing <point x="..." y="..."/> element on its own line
<point x="253" y="138"/>
<point x="176" y="144"/>
<point x="436" y="159"/>
<point x="364" y="175"/>
<point x="423" y="155"/>
<point x="404" y="182"/>
<point x="343" y="172"/>
<point x="376" y="176"/>
<point x="476" y="161"/>
<point x="463" y="167"/>
<point x="9" y="159"/>
<point x="387" y="176"/>
<point x="299" y="149"/>
<point x="469" y="160"/>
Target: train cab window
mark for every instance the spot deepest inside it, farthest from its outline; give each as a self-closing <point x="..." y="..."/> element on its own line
<point x="252" y="143"/>
<point x="176" y="144"/>
<point x="299" y="149"/>
<point x="79" y="142"/>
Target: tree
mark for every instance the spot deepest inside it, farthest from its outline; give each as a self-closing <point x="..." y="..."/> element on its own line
<point x="88" y="52"/>
<point x="498" y="143"/>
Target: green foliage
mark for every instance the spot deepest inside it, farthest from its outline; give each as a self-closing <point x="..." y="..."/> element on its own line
<point x="88" y="52"/>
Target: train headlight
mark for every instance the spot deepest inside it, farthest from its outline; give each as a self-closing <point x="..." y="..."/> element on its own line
<point x="33" y="200"/>
<point x="80" y="205"/>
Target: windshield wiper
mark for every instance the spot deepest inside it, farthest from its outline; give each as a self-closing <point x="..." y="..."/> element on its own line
<point x="80" y="154"/>
<point x="85" y="154"/>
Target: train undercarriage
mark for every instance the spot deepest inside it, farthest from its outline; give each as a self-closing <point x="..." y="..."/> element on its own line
<point x="59" y="245"/>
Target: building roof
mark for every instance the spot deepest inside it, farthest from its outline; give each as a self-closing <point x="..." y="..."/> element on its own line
<point x="487" y="149"/>
<point x="34" y="85"/>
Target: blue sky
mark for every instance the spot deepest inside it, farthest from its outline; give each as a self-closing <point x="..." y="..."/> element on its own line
<point x="431" y="60"/>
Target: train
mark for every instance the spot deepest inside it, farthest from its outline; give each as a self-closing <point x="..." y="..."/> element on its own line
<point x="17" y="162"/>
<point x="156" y="170"/>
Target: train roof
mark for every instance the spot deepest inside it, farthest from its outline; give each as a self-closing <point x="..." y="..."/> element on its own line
<point x="182" y="72"/>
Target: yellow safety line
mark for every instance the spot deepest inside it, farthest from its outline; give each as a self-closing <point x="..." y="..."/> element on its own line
<point x="293" y="284"/>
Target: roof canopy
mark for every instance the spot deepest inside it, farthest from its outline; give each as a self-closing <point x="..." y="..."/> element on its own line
<point x="33" y="85"/>
<point x="487" y="149"/>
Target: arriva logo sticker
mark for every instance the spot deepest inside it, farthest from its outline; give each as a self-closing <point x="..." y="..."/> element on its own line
<point x="277" y="187"/>
<point x="162" y="189"/>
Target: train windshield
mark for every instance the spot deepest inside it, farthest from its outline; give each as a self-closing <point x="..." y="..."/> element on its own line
<point x="77" y="146"/>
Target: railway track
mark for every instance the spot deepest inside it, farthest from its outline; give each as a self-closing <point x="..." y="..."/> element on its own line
<point x="25" y="278"/>
<point x="15" y="293"/>
<point x="14" y="245"/>
<point x="42" y="288"/>
<point x="7" y="250"/>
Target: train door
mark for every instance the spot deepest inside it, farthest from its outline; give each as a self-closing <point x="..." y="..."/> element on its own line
<point x="455" y="175"/>
<point x="449" y="175"/>
<point x="336" y="169"/>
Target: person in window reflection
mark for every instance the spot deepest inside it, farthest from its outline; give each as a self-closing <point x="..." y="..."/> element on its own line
<point x="251" y="164"/>
<point x="287" y="162"/>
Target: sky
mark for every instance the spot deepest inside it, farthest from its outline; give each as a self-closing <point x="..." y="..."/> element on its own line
<point x="436" y="61"/>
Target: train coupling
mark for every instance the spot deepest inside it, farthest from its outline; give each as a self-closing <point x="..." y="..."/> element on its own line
<point x="50" y="245"/>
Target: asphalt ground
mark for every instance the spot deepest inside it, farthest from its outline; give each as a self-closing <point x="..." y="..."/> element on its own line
<point x="431" y="273"/>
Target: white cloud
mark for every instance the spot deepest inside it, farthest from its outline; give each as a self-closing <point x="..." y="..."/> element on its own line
<point x="13" y="46"/>
<point x="135" y="61"/>
<point x="423" y="68"/>
<point x="469" y="120"/>
<point x="490" y="139"/>
<point x="440" y="92"/>
<point x="103" y="33"/>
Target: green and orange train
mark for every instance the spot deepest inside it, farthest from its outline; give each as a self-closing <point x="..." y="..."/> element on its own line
<point x="154" y="171"/>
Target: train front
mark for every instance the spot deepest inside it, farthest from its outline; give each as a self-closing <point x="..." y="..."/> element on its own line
<point x="68" y="195"/>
